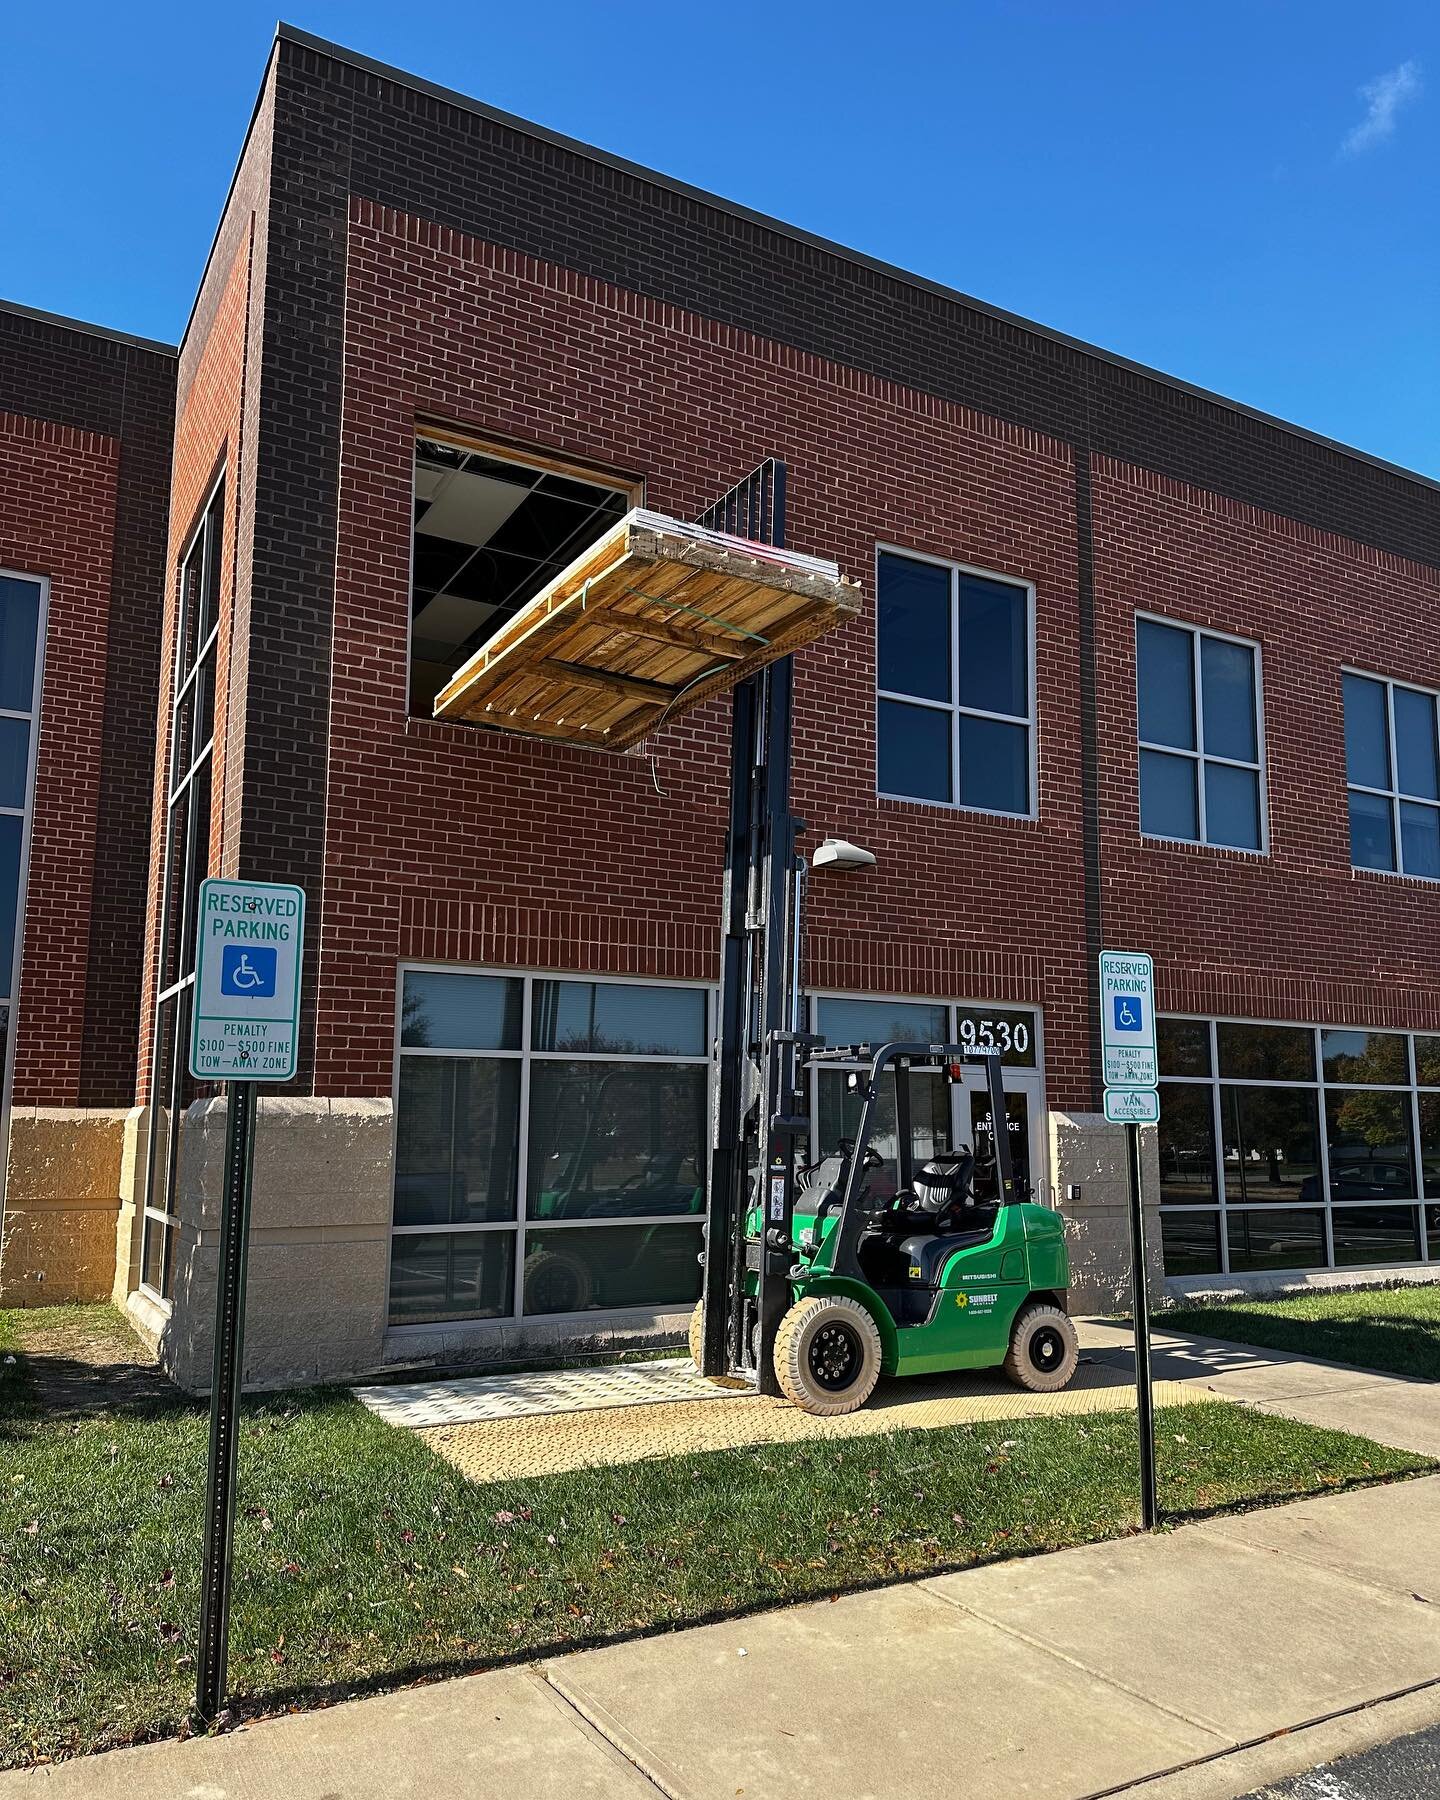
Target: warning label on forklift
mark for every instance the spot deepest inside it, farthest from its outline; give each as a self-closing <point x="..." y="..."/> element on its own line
<point x="777" y="1197"/>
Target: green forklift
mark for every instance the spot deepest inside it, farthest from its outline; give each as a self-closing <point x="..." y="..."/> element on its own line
<point x="954" y="1269"/>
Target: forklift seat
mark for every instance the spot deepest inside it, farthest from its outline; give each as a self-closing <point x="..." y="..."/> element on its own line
<point x="925" y="1255"/>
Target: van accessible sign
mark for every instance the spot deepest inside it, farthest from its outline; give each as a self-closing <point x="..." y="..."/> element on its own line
<point x="246" y="1022"/>
<point x="1127" y="1019"/>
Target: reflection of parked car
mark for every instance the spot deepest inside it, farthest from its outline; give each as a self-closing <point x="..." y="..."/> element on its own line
<point x="1363" y="1180"/>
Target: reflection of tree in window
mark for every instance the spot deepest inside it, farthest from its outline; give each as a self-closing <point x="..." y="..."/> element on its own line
<point x="1271" y="1143"/>
<point x="1368" y="1140"/>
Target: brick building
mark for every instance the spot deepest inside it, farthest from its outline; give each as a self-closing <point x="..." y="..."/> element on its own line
<point x="1137" y="666"/>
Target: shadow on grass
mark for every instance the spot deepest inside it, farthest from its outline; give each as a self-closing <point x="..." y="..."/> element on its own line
<point x="1390" y="1342"/>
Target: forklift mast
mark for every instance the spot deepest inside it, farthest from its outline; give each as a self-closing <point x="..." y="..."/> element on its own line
<point x="756" y="1117"/>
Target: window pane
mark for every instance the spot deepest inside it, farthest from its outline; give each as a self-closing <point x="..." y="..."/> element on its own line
<point x="839" y="1117"/>
<point x="914" y="628"/>
<point x="1187" y="1145"/>
<point x="1369" y="1057"/>
<point x="152" y="1254"/>
<point x="624" y="1265"/>
<point x="1227" y="696"/>
<point x="14" y="761"/>
<point x="1427" y="1061"/>
<point x="1375" y="1234"/>
<point x="1266" y="1052"/>
<point x="1420" y="839"/>
<point x="993" y="771"/>
<point x="10" y="832"/>
<point x="1372" y="839"/>
<point x="1367" y="738"/>
<point x="619" y="1019"/>
<point x="451" y="1275"/>
<point x="19" y="622"/>
<point x="993" y="658"/>
<point x="1271" y="1146"/>
<point x="460" y="1012"/>
<point x="1275" y="1240"/>
<point x="1232" y="806"/>
<point x="457" y="1138"/>
<point x="1415" y="743"/>
<point x="914" y="751"/>
<point x="1166" y="685"/>
<point x="1184" y="1046"/>
<point x="616" y="1142"/>
<point x="1013" y="1034"/>
<point x="1191" y="1243"/>
<point x="881" y="1022"/>
<point x="1168" y="806"/>
<point x="1429" y="1108"/>
<point x="1368" y="1140"/>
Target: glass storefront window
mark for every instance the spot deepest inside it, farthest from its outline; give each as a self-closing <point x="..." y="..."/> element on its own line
<point x="1265" y="1052"/>
<point x="1191" y="1243"/>
<point x="1275" y="1240"/>
<point x="1187" y="1144"/>
<point x="1347" y="1198"/>
<point x="606" y="1106"/>
<point x="879" y="1022"/>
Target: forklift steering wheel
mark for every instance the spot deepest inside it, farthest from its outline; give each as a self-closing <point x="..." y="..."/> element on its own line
<point x="872" y="1160"/>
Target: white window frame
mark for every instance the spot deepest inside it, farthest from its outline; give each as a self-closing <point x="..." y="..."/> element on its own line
<point x="520" y="1226"/>
<point x="1394" y="794"/>
<point x="26" y="815"/>
<point x="952" y="706"/>
<point x="1222" y="1205"/>
<point x="1200" y="756"/>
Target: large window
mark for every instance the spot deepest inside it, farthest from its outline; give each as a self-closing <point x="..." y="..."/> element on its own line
<point x="550" y="1146"/>
<point x="1393" y="770"/>
<point x="187" y="862"/>
<point x="1291" y="1147"/>
<point x="22" y="651"/>
<point x="955" y="700"/>
<point x="1200" y="736"/>
<point x="490" y="531"/>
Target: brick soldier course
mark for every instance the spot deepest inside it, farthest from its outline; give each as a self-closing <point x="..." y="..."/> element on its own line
<point x="393" y="257"/>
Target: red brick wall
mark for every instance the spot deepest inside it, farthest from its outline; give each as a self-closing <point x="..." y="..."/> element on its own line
<point x="447" y="842"/>
<point x="58" y="519"/>
<point x="208" y="441"/>
<point x="1296" y="933"/>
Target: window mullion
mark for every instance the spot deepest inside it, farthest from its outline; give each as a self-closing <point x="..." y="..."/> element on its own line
<point x="1394" y="775"/>
<point x="954" y="686"/>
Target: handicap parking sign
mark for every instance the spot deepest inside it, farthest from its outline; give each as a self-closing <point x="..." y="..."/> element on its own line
<point x="1129" y="1012"/>
<point x="248" y="970"/>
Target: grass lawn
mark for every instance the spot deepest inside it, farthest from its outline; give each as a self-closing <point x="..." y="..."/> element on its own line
<point x="364" y="1560"/>
<point x="1396" y="1329"/>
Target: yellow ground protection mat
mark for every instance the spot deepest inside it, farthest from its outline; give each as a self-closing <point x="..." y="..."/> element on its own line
<point x="503" y="1449"/>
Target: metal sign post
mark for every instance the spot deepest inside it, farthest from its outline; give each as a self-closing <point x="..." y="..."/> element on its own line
<point x="245" y="1029"/>
<point x="1131" y="1067"/>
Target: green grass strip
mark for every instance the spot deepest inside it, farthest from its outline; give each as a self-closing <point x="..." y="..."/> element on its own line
<point x="363" y="1560"/>
<point x="1393" y="1329"/>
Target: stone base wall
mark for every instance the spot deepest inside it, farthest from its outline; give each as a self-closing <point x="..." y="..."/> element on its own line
<point x="1088" y="1152"/>
<point x="62" y="1200"/>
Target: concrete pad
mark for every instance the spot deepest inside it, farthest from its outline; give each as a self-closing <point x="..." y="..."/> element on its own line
<point x="1403" y="1414"/>
<point x="1241" y="1642"/>
<point x="876" y="1695"/>
<point x="1384" y="1535"/>
<point x="506" y="1735"/>
<point x="1239" y="1371"/>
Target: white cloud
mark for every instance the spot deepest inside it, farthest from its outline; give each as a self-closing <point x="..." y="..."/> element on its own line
<point x="1383" y="97"/>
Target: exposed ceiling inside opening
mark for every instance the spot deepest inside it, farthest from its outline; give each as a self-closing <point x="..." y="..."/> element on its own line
<point x="489" y="533"/>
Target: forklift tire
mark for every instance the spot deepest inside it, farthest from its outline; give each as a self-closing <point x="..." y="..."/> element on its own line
<point x="1043" y="1349"/>
<point x="557" y="1282"/>
<point x="827" y="1355"/>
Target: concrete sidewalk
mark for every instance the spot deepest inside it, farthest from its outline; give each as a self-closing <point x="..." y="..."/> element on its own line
<point x="1171" y="1660"/>
<point x="1393" y="1409"/>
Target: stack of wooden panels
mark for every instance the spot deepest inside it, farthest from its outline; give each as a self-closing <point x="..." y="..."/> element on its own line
<point x="649" y="621"/>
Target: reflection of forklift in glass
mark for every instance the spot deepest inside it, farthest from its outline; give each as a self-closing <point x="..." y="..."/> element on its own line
<point x="661" y="1182"/>
<point x="815" y="1292"/>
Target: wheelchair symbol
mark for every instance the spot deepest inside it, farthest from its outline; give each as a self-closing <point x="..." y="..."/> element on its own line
<point x="247" y="973"/>
<point x="1127" y="1012"/>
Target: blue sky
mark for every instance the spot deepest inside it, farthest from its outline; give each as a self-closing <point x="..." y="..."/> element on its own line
<point x="1244" y="195"/>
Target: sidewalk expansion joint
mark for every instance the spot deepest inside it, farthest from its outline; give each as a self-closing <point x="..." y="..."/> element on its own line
<point x="1269" y="1737"/>
<point x="596" y="1723"/>
<point x="1084" y="1668"/>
